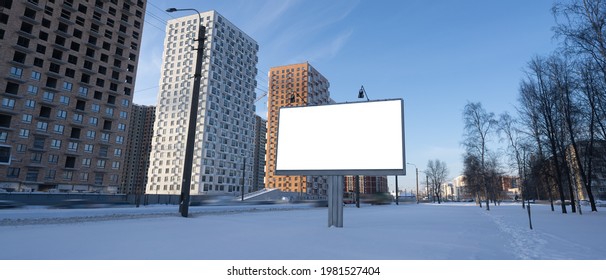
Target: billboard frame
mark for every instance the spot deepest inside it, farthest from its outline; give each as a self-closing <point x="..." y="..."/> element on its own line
<point x="338" y="172"/>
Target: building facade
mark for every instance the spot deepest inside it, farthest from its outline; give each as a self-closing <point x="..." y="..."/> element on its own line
<point x="140" y="132"/>
<point x="368" y="184"/>
<point x="597" y="166"/>
<point x="67" y="73"/>
<point x="224" y="140"/>
<point x="293" y="85"/>
<point x="259" y="153"/>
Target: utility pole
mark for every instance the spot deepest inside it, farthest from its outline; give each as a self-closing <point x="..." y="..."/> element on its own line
<point x="193" y="117"/>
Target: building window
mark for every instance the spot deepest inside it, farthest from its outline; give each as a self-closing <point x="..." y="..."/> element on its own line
<point x="50" y="174"/>
<point x="70" y="162"/>
<point x="16" y="72"/>
<point x="88" y="148"/>
<point x="21" y="148"/>
<point x="91" y="134"/>
<point x="53" y="159"/>
<point x="67" y="86"/>
<point x="72" y="146"/>
<point x="83" y="91"/>
<point x="8" y="103"/>
<point x="61" y="114"/>
<point x="36" y="157"/>
<point x="78" y="118"/>
<point x="24" y="133"/>
<point x="59" y="128"/>
<point x="103" y="151"/>
<point x="99" y="178"/>
<point x="55" y="144"/>
<point x="36" y="75"/>
<point x="68" y="175"/>
<point x="42" y="126"/>
<point x="30" y="103"/>
<point x="33" y="90"/>
<point x="27" y="118"/>
<point x="48" y="96"/>
<point x="86" y="162"/>
<point x="32" y="176"/>
<point x="64" y="100"/>
<point x="13" y="172"/>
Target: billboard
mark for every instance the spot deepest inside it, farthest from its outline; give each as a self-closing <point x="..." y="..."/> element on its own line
<point x="360" y="138"/>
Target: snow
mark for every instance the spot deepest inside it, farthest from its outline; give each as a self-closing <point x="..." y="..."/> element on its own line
<point x="447" y="231"/>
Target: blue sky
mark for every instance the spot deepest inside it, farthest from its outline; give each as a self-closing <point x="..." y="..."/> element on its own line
<point x="436" y="55"/>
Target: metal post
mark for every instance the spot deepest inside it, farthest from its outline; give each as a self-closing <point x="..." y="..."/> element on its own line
<point x="357" y="186"/>
<point x="397" y="198"/>
<point x="193" y="117"/>
<point x="417" y="184"/>
<point x="335" y="201"/>
<point x="243" y="177"/>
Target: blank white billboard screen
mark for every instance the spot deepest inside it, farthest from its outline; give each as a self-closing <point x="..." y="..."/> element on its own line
<point x="362" y="138"/>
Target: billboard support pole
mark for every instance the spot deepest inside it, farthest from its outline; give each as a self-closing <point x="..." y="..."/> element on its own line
<point x="335" y="201"/>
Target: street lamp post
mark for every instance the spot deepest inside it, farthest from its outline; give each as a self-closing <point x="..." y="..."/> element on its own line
<point x="361" y="94"/>
<point x="193" y="116"/>
<point x="417" y="172"/>
<point x="397" y="198"/>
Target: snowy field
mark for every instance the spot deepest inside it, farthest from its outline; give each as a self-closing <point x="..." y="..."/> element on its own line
<point x="450" y="231"/>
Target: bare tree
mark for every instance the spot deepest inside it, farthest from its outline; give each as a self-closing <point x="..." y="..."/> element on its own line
<point x="437" y="173"/>
<point x="544" y="108"/>
<point x="472" y="171"/>
<point x="582" y="25"/>
<point x="518" y="146"/>
<point x="479" y="126"/>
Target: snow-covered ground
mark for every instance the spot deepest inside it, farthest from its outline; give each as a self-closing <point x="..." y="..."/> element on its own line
<point x="448" y="231"/>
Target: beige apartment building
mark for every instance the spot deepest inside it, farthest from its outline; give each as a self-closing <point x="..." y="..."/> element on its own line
<point x="67" y="73"/>
<point x="293" y="85"/>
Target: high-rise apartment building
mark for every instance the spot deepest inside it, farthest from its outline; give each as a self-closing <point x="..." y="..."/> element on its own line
<point x="293" y="85"/>
<point x="67" y="73"/>
<point x="140" y="132"/>
<point x="259" y="153"/>
<point x="226" y="113"/>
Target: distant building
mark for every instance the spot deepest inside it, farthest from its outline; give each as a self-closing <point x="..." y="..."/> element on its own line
<point x="224" y="140"/>
<point x="293" y="85"/>
<point x="460" y="191"/>
<point x="598" y="171"/>
<point x="368" y="184"/>
<point x="259" y="154"/>
<point x="510" y="186"/>
<point x="140" y="132"/>
<point x="67" y="74"/>
<point x="448" y="191"/>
